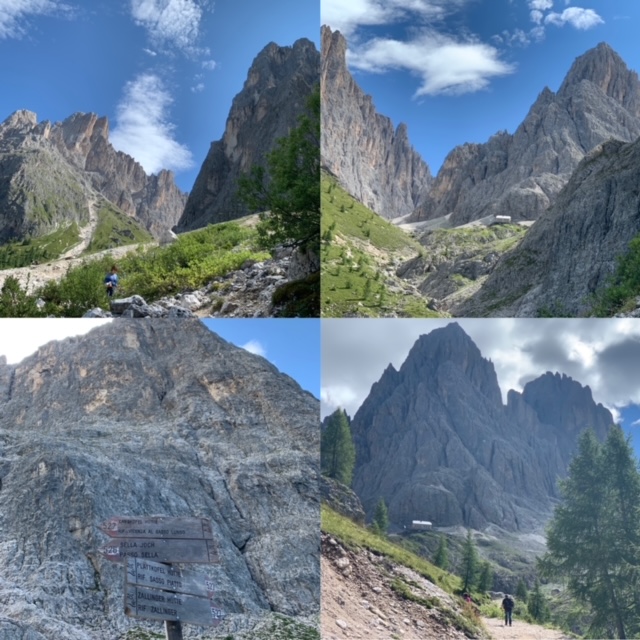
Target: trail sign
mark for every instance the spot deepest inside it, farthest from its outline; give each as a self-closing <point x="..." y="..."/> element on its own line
<point x="161" y="550"/>
<point x="162" y="576"/>
<point x="157" y="527"/>
<point x="153" y="604"/>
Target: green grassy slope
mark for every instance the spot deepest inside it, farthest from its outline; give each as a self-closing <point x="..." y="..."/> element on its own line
<point x="40" y="249"/>
<point x="360" y="251"/>
<point x="116" y="229"/>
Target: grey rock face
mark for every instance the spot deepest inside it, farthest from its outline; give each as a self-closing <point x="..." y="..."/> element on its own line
<point x="274" y="95"/>
<point x="570" y="251"/>
<point x="373" y="161"/>
<point x="49" y="172"/>
<point x="520" y="175"/>
<point x="149" y="417"/>
<point x="435" y="441"/>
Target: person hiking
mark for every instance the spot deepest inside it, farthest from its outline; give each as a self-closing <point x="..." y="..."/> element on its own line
<point x="507" y="605"/>
<point x="111" y="281"/>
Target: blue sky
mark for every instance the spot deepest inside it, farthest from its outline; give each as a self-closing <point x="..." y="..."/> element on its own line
<point x="459" y="71"/>
<point x="603" y="354"/>
<point x="163" y="71"/>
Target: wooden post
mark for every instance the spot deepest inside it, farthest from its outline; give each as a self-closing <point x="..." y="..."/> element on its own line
<point x="173" y="629"/>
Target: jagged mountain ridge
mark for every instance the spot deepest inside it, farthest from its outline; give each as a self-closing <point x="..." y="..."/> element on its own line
<point x="435" y="441"/>
<point x="569" y="253"/>
<point x="520" y="175"/>
<point x="50" y="172"/>
<point x="274" y="95"/>
<point x="153" y="418"/>
<point x="373" y="162"/>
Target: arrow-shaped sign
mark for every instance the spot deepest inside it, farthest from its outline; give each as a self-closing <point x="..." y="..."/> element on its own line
<point x="157" y="527"/>
<point x="163" y="576"/>
<point x="161" y="550"/>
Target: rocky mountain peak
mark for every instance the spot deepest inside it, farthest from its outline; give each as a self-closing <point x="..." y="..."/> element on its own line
<point x="21" y="119"/>
<point x="606" y="69"/>
<point x="375" y="163"/>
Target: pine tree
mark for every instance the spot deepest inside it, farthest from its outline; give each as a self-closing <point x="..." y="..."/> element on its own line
<point x="337" y="451"/>
<point x="381" y="517"/>
<point x="469" y="563"/>
<point x="593" y="538"/>
<point x="537" y="605"/>
<point x="485" y="581"/>
<point x="521" y="591"/>
<point x="441" y="558"/>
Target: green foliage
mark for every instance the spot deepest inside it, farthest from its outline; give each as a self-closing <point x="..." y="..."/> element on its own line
<point x="521" y="591"/>
<point x="337" y="451"/>
<point x="381" y="518"/>
<point x="287" y="192"/>
<point x="593" y="539"/>
<point x="485" y="579"/>
<point x="623" y="286"/>
<point x="470" y="563"/>
<point x="115" y="229"/>
<point x="38" y="250"/>
<point x="15" y="302"/>
<point x="537" y="605"/>
<point x="442" y="554"/>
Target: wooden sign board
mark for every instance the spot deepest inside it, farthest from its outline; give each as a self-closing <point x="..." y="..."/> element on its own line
<point x="162" y="576"/>
<point x="153" y="604"/>
<point x="158" y="527"/>
<point x="161" y="550"/>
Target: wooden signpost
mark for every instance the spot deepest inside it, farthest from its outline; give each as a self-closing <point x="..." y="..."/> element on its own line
<point x="160" y="591"/>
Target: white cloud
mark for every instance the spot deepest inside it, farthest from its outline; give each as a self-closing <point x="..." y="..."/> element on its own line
<point x="20" y="337"/>
<point x="255" y="347"/>
<point x="169" y="21"/>
<point x="576" y="17"/>
<point x="14" y="13"/>
<point x="536" y="16"/>
<point x="142" y="129"/>
<point x="209" y="65"/>
<point x="443" y="64"/>
<point x="346" y="17"/>
<point x="153" y="54"/>
<point x="541" y="5"/>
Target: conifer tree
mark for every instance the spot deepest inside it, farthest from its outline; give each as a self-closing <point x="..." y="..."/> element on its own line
<point x="594" y="536"/>
<point x="337" y="451"/>
<point x="469" y="563"/>
<point x="381" y="517"/>
<point x="537" y="605"/>
<point x="485" y="581"/>
<point x="521" y="591"/>
<point x="441" y="558"/>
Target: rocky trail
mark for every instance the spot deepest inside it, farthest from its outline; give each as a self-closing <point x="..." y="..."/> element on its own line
<point x="521" y="631"/>
<point x="86" y="233"/>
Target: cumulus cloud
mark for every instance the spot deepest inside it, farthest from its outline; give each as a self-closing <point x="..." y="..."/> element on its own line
<point x="174" y="22"/>
<point x="575" y="16"/>
<point x="209" y="65"/>
<point x="14" y="14"/>
<point x="142" y="128"/>
<point x="443" y="64"/>
<point x="540" y="5"/>
<point x="255" y="347"/>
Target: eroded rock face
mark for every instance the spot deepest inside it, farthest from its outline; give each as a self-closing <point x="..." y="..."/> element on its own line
<point x="153" y="418"/>
<point x="274" y="95"/>
<point x="50" y="172"/>
<point x="569" y="253"/>
<point x="435" y="441"/>
<point x="371" y="159"/>
<point x="520" y="175"/>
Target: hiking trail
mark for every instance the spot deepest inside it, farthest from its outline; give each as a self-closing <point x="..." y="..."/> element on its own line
<point x="521" y="631"/>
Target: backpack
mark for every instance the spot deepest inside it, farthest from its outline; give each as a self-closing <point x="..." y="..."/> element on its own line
<point x="509" y="602"/>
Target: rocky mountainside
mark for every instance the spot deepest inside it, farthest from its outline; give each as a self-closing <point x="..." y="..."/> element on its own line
<point x="49" y="173"/>
<point x="274" y="95"/>
<point x="370" y="158"/>
<point x="153" y="418"/>
<point x="571" y="250"/>
<point x="520" y="175"/>
<point x="436" y="442"/>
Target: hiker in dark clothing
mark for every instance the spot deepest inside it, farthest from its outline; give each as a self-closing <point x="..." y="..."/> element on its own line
<point x="507" y="605"/>
<point x="111" y="281"/>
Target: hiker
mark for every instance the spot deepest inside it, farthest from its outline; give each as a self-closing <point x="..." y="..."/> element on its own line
<point x="467" y="597"/>
<point x="507" y="605"/>
<point x="111" y="281"/>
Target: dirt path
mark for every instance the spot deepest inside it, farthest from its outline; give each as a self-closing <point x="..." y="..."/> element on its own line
<point x="86" y="233"/>
<point x="521" y="631"/>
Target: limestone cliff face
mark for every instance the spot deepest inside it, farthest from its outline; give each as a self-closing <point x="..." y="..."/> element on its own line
<point x="520" y="175"/>
<point x="274" y="95"/>
<point x="49" y="172"/>
<point x="370" y="158"/>
<point x="153" y="418"/>
<point x="572" y="249"/>
<point x="435" y="441"/>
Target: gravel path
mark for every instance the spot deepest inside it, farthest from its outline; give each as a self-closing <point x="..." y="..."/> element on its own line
<point x="521" y="631"/>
